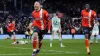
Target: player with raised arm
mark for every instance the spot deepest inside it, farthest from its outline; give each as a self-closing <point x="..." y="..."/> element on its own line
<point x="56" y="29"/>
<point x="41" y="17"/>
<point x="88" y="16"/>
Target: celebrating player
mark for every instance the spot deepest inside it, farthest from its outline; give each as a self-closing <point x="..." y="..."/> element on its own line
<point x="88" y="16"/>
<point x="95" y="32"/>
<point x="56" y="29"/>
<point x="11" y="30"/>
<point x="41" y="18"/>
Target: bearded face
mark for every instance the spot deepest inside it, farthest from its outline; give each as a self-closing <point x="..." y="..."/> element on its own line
<point x="36" y="5"/>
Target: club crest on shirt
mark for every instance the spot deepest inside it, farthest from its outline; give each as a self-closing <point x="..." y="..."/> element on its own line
<point x="38" y="18"/>
<point x="86" y="17"/>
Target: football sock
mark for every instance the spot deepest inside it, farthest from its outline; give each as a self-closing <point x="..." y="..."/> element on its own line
<point x="34" y="43"/>
<point x="14" y="38"/>
<point x="87" y="43"/>
<point x="60" y="39"/>
<point x="40" y="44"/>
<point x="96" y="39"/>
<point x="91" y="39"/>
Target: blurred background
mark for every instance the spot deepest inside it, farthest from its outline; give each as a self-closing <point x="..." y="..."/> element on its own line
<point x="21" y="10"/>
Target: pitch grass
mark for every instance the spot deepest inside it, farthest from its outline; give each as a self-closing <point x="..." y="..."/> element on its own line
<point x="73" y="48"/>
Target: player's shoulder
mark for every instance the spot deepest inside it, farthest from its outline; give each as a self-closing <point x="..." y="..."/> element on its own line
<point x="10" y="24"/>
<point x="56" y="18"/>
<point x="45" y="11"/>
<point x="93" y="11"/>
<point x="59" y="19"/>
<point x="33" y="11"/>
<point x="83" y="10"/>
<point x="53" y="18"/>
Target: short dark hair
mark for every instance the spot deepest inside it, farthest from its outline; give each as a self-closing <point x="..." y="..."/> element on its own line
<point x="38" y="2"/>
<point x="11" y="20"/>
<point x="87" y="5"/>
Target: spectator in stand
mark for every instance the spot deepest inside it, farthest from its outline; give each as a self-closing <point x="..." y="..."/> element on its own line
<point x="1" y="29"/>
<point x="72" y="32"/>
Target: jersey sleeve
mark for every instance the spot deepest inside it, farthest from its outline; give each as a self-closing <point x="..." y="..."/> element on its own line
<point x="94" y="14"/>
<point x="46" y="14"/>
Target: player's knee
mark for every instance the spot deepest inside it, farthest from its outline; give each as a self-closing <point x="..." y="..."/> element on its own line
<point x="52" y="32"/>
<point x="40" y="41"/>
<point x="35" y="34"/>
<point x="86" y="36"/>
<point x="59" y="32"/>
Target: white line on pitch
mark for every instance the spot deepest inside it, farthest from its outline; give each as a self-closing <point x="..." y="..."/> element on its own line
<point x="64" y="52"/>
<point x="18" y="54"/>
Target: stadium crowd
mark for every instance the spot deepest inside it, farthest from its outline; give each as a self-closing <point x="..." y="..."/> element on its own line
<point x="71" y="14"/>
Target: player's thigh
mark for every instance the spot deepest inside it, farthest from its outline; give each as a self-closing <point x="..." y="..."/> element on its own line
<point x="97" y="32"/>
<point x="58" y="32"/>
<point x="31" y="32"/>
<point x="55" y="30"/>
<point x="86" y="31"/>
<point x="41" y="34"/>
<point x="40" y="37"/>
<point x="93" y="32"/>
<point x="36" y="31"/>
<point x="52" y="32"/>
<point x="11" y="33"/>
